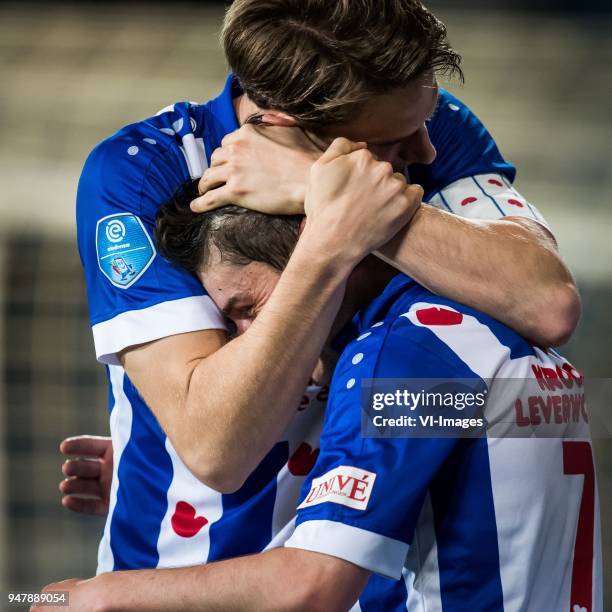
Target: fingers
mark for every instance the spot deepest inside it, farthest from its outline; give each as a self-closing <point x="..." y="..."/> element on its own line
<point x="231" y="137"/>
<point x="215" y="198"/>
<point x="80" y="486"/>
<point x="84" y="506"/>
<point x="82" y="468"/>
<point x="341" y="146"/>
<point x="86" y="446"/>
<point x="219" y="156"/>
<point x="213" y="178"/>
<point x="215" y="175"/>
<point x="415" y="191"/>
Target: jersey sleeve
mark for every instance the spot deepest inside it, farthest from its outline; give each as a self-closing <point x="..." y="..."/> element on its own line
<point x="486" y="196"/>
<point x="362" y="500"/>
<point x="135" y="296"/>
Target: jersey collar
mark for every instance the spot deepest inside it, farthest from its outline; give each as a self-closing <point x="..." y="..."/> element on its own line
<point x="222" y="110"/>
<point x="377" y="310"/>
<point x="381" y="307"/>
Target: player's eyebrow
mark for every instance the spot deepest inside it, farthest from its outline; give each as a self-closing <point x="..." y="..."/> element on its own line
<point x="229" y="305"/>
<point x="232" y="303"/>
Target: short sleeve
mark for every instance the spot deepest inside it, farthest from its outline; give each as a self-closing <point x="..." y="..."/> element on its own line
<point x="363" y="498"/>
<point x="135" y="296"/>
<point x="486" y="196"/>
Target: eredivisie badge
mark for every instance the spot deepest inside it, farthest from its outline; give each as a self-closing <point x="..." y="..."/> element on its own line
<point x="124" y="249"/>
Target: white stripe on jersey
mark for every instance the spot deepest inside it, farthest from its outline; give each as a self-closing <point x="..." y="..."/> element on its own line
<point x="186" y="492"/>
<point x="304" y="429"/>
<point x="421" y="573"/>
<point x="121" y="428"/>
<point x="484" y="354"/>
<point x="195" y="157"/>
<point x="526" y="507"/>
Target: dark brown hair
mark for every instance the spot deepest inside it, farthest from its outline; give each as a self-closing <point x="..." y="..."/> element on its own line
<point x="241" y="236"/>
<point x="320" y="60"/>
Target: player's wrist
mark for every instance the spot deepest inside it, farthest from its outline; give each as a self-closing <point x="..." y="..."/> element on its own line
<point x="326" y="252"/>
<point x="113" y="591"/>
<point x="100" y="592"/>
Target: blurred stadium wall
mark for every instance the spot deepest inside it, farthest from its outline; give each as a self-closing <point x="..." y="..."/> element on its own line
<point x="73" y="74"/>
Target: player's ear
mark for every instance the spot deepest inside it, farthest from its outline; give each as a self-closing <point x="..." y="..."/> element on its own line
<point x="279" y="118"/>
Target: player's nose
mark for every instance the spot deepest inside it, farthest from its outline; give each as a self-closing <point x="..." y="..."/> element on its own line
<point x="391" y="154"/>
<point x="242" y="325"/>
<point x="418" y="149"/>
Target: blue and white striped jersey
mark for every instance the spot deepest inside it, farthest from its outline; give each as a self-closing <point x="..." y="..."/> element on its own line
<point x="451" y="522"/>
<point x="160" y="515"/>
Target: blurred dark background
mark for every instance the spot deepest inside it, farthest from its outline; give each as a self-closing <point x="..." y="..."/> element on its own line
<point x="538" y="72"/>
<point x="569" y="6"/>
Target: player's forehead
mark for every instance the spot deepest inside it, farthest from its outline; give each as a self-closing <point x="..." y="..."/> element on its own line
<point x="393" y="116"/>
<point x="228" y="284"/>
<point x="220" y="279"/>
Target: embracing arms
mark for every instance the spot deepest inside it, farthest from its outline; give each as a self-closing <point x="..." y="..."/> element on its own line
<point x="287" y="579"/>
<point x="509" y="268"/>
<point x="224" y="406"/>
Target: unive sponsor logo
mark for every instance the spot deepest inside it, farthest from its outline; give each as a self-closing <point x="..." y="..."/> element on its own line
<point x="345" y="485"/>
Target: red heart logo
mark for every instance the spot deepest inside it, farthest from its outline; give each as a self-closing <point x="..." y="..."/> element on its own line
<point x="185" y="522"/>
<point x="468" y="201"/>
<point x="515" y="202"/>
<point x="495" y="182"/>
<point x="303" y="460"/>
<point x="438" y="316"/>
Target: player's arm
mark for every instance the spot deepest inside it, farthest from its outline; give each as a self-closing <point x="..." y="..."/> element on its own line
<point x="280" y="579"/>
<point x="224" y="406"/>
<point x="506" y="266"/>
<point x="509" y="269"/>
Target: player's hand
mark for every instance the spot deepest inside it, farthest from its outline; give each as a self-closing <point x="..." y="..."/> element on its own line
<point x="354" y="203"/>
<point x="89" y="472"/>
<point x="263" y="168"/>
